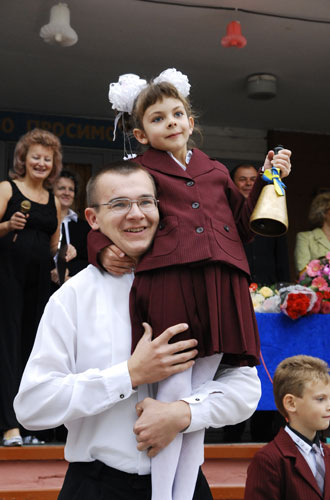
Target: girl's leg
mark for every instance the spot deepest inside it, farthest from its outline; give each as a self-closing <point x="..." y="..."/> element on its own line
<point x="164" y="465"/>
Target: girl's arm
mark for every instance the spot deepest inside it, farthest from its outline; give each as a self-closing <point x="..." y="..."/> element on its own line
<point x="103" y="254"/>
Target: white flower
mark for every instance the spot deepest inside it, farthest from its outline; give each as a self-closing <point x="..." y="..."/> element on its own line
<point x="176" y="78"/>
<point x="272" y="304"/>
<point x="123" y="93"/>
<point x="257" y="300"/>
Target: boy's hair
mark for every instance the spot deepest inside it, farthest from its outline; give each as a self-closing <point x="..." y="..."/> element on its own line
<point x="121" y="167"/>
<point x="44" y="138"/>
<point x="292" y="375"/>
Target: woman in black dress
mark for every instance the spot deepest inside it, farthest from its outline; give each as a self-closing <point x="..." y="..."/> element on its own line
<point x="29" y="233"/>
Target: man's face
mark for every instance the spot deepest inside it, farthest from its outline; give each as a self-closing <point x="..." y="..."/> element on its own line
<point x="244" y="179"/>
<point x="133" y="231"/>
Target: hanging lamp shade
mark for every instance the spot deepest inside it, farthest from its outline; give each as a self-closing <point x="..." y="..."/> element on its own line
<point x="59" y="30"/>
<point x="234" y="37"/>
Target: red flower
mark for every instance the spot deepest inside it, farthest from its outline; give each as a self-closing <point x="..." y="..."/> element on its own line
<point x="253" y="287"/>
<point x="297" y="305"/>
<point x="325" y="307"/>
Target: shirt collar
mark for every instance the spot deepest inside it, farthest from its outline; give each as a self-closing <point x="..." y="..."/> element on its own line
<point x="71" y="216"/>
<point x="188" y="158"/>
<point x="302" y="441"/>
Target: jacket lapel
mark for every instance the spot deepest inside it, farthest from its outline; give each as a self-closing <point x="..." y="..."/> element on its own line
<point x="288" y="448"/>
<point x="161" y="161"/>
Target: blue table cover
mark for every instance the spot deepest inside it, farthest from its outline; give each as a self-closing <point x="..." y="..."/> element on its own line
<point x="282" y="337"/>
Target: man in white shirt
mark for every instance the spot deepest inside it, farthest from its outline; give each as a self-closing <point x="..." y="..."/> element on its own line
<point x="81" y="371"/>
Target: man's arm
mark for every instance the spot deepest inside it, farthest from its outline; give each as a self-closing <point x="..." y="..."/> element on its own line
<point x="53" y="391"/>
<point x="227" y="400"/>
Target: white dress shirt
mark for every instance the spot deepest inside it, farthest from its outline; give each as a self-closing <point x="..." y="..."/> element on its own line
<point x="77" y="375"/>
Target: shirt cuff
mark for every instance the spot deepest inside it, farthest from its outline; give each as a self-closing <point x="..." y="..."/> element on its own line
<point x="118" y="382"/>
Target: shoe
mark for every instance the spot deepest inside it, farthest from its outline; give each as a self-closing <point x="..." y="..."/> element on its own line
<point x="13" y="441"/>
<point x="32" y="440"/>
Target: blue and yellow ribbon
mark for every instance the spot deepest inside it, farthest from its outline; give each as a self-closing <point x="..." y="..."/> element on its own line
<point x="272" y="176"/>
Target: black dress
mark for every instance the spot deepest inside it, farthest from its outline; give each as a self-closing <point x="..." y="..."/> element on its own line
<point x="24" y="291"/>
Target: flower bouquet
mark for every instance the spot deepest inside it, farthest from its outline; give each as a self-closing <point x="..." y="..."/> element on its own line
<point x="316" y="276"/>
<point x="309" y="296"/>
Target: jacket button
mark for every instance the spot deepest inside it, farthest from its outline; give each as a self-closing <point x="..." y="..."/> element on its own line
<point x="199" y="229"/>
<point x="195" y="204"/>
<point x="226" y="228"/>
<point x="122" y="396"/>
<point x="161" y="226"/>
<point x="190" y="183"/>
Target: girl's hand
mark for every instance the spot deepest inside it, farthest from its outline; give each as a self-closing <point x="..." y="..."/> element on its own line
<point x="115" y="261"/>
<point x="281" y="161"/>
<point x="17" y="221"/>
<point x="71" y="253"/>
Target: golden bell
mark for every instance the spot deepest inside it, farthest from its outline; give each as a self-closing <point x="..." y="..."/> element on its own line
<point x="270" y="215"/>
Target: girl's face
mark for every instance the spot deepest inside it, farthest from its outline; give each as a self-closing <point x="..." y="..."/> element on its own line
<point x="167" y="127"/>
<point x="64" y="190"/>
<point x="39" y="162"/>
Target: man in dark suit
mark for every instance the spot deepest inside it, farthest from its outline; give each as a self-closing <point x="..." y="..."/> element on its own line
<point x="267" y="256"/>
<point x="295" y="465"/>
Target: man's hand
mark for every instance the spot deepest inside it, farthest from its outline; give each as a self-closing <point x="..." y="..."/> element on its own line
<point x="159" y="423"/>
<point x="155" y="360"/>
<point x="115" y="261"/>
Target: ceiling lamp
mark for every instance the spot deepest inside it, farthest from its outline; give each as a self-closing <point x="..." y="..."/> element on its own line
<point x="234" y="37"/>
<point x="59" y="31"/>
<point x="261" y="86"/>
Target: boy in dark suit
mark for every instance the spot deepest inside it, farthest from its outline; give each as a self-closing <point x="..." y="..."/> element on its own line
<point x="295" y="465"/>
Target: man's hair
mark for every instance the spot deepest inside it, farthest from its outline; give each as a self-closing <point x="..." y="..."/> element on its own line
<point x="292" y="375"/>
<point x="121" y="167"/>
<point x="243" y="165"/>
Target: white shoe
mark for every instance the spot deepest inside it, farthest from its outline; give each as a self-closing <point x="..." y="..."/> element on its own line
<point x="12" y="441"/>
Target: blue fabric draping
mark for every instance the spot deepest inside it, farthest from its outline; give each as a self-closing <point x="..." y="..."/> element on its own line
<point x="281" y="337"/>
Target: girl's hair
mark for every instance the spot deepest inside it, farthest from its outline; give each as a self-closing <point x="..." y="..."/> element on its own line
<point x="121" y="167"/>
<point x="72" y="176"/>
<point x="44" y="138"/>
<point x="151" y="94"/>
<point x="292" y="375"/>
<point x="319" y="206"/>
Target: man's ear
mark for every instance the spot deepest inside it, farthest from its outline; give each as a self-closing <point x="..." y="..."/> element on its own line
<point x="91" y="217"/>
<point x="140" y="136"/>
<point x="289" y="403"/>
<point x="191" y="124"/>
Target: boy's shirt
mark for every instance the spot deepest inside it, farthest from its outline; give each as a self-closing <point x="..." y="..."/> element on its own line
<point x="304" y="445"/>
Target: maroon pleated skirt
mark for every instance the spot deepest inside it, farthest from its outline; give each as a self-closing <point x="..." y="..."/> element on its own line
<point x="213" y="299"/>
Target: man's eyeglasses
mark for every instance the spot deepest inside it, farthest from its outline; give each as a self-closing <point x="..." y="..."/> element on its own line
<point x="124" y="205"/>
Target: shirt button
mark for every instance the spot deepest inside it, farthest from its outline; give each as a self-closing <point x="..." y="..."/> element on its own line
<point x="226" y="228"/>
<point x="197" y="399"/>
<point x="190" y="183"/>
<point x="199" y="229"/>
<point x="195" y="204"/>
<point x="122" y="396"/>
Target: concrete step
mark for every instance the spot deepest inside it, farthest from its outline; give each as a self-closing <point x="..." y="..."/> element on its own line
<point x="37" y="472"/>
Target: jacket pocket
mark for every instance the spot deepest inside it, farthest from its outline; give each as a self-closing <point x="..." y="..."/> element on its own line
<point x="227" y="238"/>
<point x="166" y="238"/>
